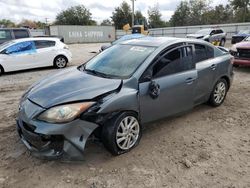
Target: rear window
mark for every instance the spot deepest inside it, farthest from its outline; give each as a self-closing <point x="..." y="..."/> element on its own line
<point x="20" y="33"/>
<point x="5" y="35"/>
<point x="202" y="52"/>
<point x="44" y="44"/>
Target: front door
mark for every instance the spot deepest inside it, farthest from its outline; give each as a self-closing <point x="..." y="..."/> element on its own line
<point x="19" y="56"/>
<point x="174" y="79"/>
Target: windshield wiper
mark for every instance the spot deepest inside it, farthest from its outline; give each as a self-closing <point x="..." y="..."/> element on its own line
<point x="98" y="73"/>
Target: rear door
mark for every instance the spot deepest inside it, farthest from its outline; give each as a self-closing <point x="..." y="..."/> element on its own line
<point x="19" y="56"/>
<point x="175" y="75"/>
<point x="46" y="52"/>
<point x="206" y="66"/>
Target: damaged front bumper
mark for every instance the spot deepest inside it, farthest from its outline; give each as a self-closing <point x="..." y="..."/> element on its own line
<point x="52" y="141"/>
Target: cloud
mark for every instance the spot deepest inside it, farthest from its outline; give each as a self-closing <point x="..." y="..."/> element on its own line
<point x="100" y="7"/>
<point x="16" y="10"/>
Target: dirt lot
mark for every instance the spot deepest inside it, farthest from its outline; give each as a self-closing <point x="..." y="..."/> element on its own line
<point x="207" y="147"/>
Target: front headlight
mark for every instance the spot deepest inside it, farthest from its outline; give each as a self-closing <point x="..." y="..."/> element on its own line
<point x="64" y="113"/>
<point x="233" y="48"/>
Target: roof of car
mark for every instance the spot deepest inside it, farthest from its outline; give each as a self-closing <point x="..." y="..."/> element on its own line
<point x="159" y="41"/>
<point x="35" y="38"/>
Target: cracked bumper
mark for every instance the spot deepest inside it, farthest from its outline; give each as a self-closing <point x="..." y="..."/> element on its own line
<point x="52" y="141"/>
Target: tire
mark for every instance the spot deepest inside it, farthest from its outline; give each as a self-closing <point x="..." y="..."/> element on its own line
<point x="236" y="66"/>
<point x="60" y="62"/>
<point x="219" y="93"/>
<point x="222" y="42"/>
<point x="117" y="134"/>
<point x="1" y="70"/>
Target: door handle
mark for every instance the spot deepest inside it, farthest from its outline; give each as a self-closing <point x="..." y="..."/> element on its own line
<point x="213" y="66"/>
<point x="190" y="80"/>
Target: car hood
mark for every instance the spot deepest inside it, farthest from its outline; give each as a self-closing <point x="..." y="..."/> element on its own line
<point x="244" y="44"/>
<point x="241" y="35"/>
<point x="197" y="36"/>
<point x="68" y="86"/>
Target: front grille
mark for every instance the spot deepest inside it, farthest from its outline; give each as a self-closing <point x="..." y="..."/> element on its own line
<point x="29" y="127"/>
<point x="244" y="53"/>
<point x="40" y="141"/>
<point x="237" y="39"/>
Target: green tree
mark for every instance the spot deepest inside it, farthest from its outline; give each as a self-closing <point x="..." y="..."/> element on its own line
<point x="77" y="15"/>
<point x="219" y="14"/>
<point x="197" y="9"/>
<point x="7" y="23"/>
<point x="122" y="15"/>
<point x="241" y="9"/>
<point x="181" y="16"/>
<point x="139" y="18"/>
<point x="154" y="17"/>
<point x="106" y="22"/>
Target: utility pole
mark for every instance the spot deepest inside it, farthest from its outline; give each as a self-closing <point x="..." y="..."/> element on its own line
<point x="133" y="12"/>
<point x="46" y="21"/>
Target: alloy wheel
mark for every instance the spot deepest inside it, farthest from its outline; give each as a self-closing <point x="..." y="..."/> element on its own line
<point x="127" y="133"/>
<point x="219" y="92"/>
<point x="61" y="62"/>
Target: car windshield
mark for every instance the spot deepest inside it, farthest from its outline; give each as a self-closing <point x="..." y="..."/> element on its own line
<point x="247" y="39"/>
<point x="127" y="37"/>
<point x="204" y="31"/>
<point x="244" y="32"/>
<point x="118" y="61"/>
<point x="6" y="44"/>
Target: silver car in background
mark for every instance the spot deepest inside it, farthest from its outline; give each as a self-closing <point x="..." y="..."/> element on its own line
<point x="118" y="91"/>
<point x="214" y="36"/>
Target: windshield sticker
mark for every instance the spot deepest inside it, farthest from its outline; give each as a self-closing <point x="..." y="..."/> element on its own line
<point x="138" y="49"/>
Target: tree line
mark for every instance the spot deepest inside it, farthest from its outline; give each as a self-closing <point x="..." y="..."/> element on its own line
<point x="192" y="12"/>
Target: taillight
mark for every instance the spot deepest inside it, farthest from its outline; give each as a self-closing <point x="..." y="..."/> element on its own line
<point x="66" y="47"/>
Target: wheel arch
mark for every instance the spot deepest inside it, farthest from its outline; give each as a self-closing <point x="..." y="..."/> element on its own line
<point x="227" y="80"/>
<point x="1" y="67"/>
<point x="61" y="55"/>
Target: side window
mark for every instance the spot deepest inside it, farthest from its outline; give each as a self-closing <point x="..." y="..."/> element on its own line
<point x="21" y="48"/>
<point x="210" y="52"/>
<point x="44" y="44"/>
<point x="213" y="32"/>
<point x="175" y="61"/>
<point x="5" y="34"/>
<point x="202" y="53"/>
<point x="20" y="33"/>
<point x="219" y="31"/>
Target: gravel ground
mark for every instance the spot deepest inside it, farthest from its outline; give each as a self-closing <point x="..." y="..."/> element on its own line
<point x="207" y="147"/>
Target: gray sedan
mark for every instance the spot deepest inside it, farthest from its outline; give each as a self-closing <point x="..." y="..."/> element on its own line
<point x="114" y="94"/>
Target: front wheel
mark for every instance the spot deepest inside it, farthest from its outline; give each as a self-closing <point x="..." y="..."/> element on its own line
<point x="60" y="62"/>
<point x="122" y="133"/>
<point x="219" y="93"/>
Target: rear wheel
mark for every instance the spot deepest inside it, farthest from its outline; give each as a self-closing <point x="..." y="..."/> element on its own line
<point x="60" y="62"/>
<point x="222" y="42"/>
<point x="219" y="93"/>
<point x="122" y="133"/>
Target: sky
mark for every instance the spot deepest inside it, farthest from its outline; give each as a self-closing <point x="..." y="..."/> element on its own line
<point x="39" y="10"/>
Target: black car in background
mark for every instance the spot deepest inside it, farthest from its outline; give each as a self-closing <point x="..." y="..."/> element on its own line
<point x="240" y="36"/>
<point x="7" y="34"/>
